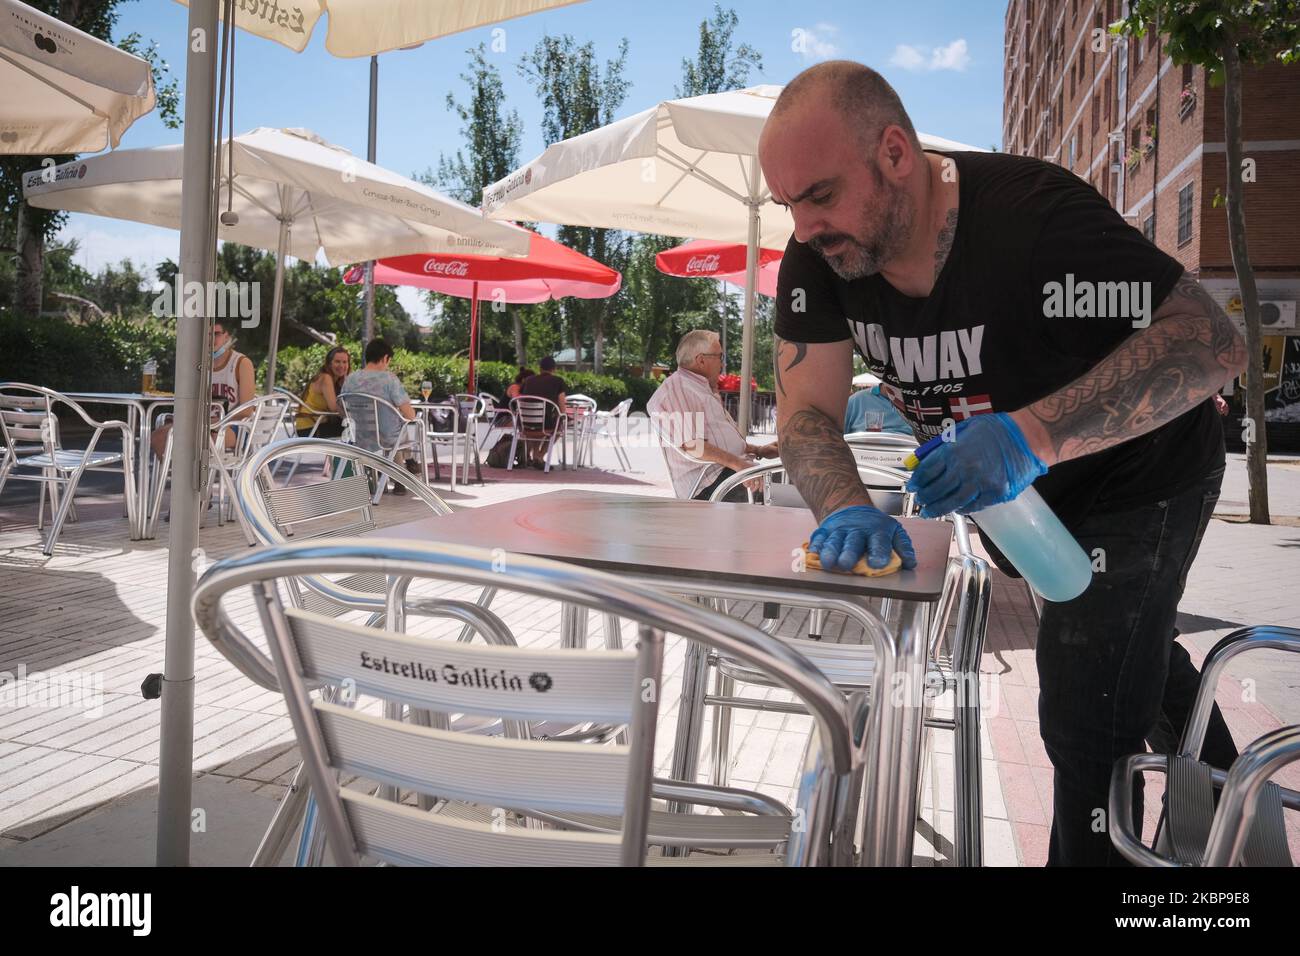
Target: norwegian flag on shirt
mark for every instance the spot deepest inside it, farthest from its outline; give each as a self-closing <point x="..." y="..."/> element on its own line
<point x="920" y="412"/>
<point x="967" y="406"/>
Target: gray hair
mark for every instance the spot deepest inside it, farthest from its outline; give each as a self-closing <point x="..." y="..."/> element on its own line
<point x="693" y="344"/>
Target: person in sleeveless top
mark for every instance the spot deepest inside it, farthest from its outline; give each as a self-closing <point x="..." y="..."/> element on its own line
<point x="233" y="382"/>
<point x="322" y="396"/>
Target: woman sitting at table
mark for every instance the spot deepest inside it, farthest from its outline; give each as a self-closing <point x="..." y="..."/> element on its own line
<point x="322" y="397"/>
<point x="513" y="390"/>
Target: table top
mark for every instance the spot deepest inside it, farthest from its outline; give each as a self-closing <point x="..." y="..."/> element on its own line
<point x="118" y="397"/>
<point x="743" y="544"/>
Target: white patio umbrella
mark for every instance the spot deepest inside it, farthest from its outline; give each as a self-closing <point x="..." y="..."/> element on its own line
<point x="65" y="91"/>
<point x="368" y="27"/>
<point x="294" y="193"/>
<point x="385" y="25"/>
<point x="686" y="167"/>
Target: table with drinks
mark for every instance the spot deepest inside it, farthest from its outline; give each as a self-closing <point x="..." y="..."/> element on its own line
<point x="141" y="406"/>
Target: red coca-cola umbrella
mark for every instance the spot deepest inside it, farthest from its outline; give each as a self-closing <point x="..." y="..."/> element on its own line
<point x="549" y="271"/>
<point x="705" y="259"/>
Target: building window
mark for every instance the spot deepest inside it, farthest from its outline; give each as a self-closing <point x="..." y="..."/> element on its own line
<point x="1072" y="78"/>
<point x="1187" y="75"/>
<point x="1136" y="137"/>
<point x="1185" y="214"/>
<point x="1096" y="114"/>
<point x="1149" y="229"/>
<point x="1074" y="149"/>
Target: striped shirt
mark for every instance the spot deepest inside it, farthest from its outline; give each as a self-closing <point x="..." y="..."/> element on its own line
<point x="683" y="409"/>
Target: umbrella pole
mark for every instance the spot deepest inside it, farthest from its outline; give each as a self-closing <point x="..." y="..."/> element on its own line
<point x="277" y="301"/>
<point x="751" y="287"/>
<point x="176" y="715"/>
<point x="473" y="337"/>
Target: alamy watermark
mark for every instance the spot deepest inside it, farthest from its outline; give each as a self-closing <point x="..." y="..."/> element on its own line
<point x="1084" y="299"/>
<point x="53" y="690"/>
<point x="216" y="300"/>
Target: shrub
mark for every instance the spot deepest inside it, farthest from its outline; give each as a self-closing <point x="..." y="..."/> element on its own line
<point x="450" y="375"/>
<point x="103" y="356"/>
<point x="295" y="366"/>
<point x="641" y="389"/>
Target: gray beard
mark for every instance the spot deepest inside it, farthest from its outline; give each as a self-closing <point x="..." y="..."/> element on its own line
<point x="891" y="236"/>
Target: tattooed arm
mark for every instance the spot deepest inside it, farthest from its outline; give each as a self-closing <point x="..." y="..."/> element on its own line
<point x="812" y="391"/>
<point x="1187" y="354"/>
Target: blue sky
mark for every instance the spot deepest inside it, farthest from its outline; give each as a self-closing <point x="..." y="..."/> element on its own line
<point x="943" y="56"/>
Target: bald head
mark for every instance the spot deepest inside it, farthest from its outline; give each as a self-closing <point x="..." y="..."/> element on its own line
<point x="839" y="151"/>
<point x="862" y="98"/>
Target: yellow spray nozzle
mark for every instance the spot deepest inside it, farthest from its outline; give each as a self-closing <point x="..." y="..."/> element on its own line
<point x="911" y="461"/>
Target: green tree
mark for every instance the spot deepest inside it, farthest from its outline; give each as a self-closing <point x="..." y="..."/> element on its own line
<point x="577" y="96"/>
<point x="720" y="64"/>
<point x="1223" y="36"/>
<point x="314" y="298"/>
<point x="492" y="137"/>
<point x="26" y="230"/>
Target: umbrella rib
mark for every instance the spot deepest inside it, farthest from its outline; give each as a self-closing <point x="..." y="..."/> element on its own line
<point x="238" y="187"/>
<point x="685" y="172"/>
<point x="58" y="89"/>
<point x="705" y="177"/>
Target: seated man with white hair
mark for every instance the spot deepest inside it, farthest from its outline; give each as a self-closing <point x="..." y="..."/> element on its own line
<point x="688" y="413"/>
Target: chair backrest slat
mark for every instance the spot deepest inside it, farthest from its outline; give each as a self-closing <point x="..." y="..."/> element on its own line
<point x="22" y="418"/>
<point x="532" y="411"/>
<point x="466" y="678"/>
<point x="407" y="836"/>
<point x="299" y="503"/>
<point x="491" y="771"/>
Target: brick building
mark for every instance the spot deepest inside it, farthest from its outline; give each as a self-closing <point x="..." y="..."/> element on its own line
<point x="1148" y="135"/>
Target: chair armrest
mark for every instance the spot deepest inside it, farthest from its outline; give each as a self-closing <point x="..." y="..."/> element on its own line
<point x="724" y="798"/>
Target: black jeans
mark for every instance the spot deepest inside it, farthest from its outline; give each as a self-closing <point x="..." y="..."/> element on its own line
<point x="1112" y="675"/>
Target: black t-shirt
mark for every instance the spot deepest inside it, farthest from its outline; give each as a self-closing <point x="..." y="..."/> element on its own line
<point x="994" y="336"/>
<point x="544" y="385"/>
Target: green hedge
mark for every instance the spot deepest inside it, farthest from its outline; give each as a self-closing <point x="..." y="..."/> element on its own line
<point x="297" y="367"/>
<point x="103" y="356"/>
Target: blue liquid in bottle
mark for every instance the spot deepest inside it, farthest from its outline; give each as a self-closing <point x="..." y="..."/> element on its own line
<point x="1033" y="539"/>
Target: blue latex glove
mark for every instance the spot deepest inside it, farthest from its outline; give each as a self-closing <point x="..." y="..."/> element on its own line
<point x="842" y="539"/>
<point x="987" y="463"/>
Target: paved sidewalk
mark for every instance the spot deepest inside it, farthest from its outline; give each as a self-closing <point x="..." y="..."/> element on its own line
<point x="71" y="787"/>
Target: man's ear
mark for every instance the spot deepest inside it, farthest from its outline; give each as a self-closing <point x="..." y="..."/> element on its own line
<point x="895" y="155"/>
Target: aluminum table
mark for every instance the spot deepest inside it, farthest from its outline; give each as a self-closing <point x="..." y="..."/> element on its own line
<point x="140" y="412"/>
<point x="719" y="550"/>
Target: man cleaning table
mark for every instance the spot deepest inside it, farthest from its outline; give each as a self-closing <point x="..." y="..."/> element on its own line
<point x="1007" y="306"/>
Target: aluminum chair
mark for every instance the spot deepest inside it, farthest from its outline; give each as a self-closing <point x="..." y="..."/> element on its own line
<point x="671" y="447"/>
<point x="343" y="505"/>
<point x="954" y="664"/>
<point x="29" y="431"/>
<point x="517" y="801"/>
<point x="612" y="426"/>
<point x="302" y="408"/>
<point x="361" y="417"/>
<point x="530" y="414"/>
<point x="474" y="410"/>
<point x="1247" y="828"/>
<point x="253" y="425"/>
<point x="582" y="410"/>
<point x="493" y="416"/>
<point x="434" y="438"/>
